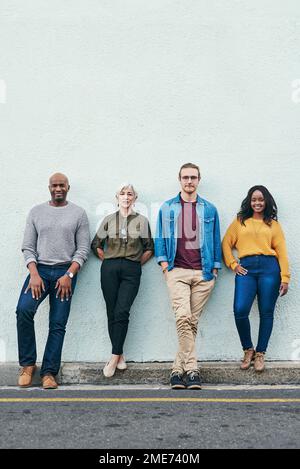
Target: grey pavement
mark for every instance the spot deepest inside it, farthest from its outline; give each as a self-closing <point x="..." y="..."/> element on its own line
<point x="150" y="417"/>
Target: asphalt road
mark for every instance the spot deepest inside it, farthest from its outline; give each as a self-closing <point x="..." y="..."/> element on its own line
<point x="150" y="418"/>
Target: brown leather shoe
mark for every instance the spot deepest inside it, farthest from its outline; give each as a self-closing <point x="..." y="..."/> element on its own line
<point x="48" y="382"/>
<point x="248" y="357"/>
<point x="26" y="375"/>
<point x="259" y="361"/>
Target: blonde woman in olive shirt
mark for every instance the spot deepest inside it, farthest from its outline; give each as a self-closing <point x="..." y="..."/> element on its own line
<point x="124" y="243"/>
<point x="262" y="270"/>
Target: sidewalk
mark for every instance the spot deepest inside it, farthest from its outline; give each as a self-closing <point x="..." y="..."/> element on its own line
<point x="278" y="372"/>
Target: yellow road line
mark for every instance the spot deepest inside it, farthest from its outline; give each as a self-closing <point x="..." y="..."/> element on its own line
<point x="147" y="399"/>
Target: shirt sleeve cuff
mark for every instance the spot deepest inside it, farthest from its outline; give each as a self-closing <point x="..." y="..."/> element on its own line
<point x="148" y="249"/>
<point x="217" y="265"/>
<point x="162" y="259"/>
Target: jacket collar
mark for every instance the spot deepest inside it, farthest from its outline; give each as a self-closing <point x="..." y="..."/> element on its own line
<point x="133" y="213"/>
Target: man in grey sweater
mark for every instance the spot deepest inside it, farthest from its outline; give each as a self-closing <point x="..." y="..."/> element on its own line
<point x="55" y="246"/>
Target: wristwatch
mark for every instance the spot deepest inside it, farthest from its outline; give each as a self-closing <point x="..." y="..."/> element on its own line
<point x="69" y="274"/>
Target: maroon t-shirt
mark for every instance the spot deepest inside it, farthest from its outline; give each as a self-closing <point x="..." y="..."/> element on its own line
<point x="188" y="254"/>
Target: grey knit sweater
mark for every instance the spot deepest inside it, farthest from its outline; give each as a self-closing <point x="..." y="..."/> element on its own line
<point x="56" y="235"/>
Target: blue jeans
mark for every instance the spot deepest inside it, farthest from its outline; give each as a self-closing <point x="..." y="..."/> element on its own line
<point x="58" y="318"/>
<point x="262" y="280"/>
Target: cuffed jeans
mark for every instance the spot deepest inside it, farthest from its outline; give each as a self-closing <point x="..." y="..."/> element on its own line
<point x="189" y="293"/>
<point x="120" y="281"/>
<point x="58" y="318"/>
<point x="262" y="280"/>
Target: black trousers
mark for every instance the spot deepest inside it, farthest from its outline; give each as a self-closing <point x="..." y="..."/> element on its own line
<point x="120" y="281"/>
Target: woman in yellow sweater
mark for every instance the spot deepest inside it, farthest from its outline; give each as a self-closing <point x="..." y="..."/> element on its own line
<point x="262" y="270"/>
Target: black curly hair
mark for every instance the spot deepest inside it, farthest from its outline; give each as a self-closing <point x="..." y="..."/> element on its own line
<point x="270" y="212"/>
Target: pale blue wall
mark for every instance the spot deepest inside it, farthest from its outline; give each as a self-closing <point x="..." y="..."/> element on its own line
<point x="114" y="90"/>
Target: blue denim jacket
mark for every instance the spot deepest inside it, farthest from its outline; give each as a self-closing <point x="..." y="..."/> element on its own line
<point x="210" y="240"/>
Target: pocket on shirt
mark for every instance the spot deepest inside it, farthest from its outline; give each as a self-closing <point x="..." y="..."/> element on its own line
<point x="208" y="225"/>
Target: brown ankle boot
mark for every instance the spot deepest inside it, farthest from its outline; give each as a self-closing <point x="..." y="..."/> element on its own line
<point x="259" y="361"/>
<point x="248" y="357"/>
<point x="26" y="375"/>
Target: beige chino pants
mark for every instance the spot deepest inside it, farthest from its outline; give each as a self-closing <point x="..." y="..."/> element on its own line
<point x="189" y="293"/>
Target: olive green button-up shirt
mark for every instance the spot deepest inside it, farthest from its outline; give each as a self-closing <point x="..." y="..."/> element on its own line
<point x="123" y="237"/>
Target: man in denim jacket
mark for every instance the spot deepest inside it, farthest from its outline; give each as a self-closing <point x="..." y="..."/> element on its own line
<point x="188" y="249"/>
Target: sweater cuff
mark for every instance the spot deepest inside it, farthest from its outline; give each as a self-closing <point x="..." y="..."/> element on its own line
<point x="31" y="259"/>
<point x="78" y="260"/>
<point x="285" y="278"/>
<point x="233" y="265"/>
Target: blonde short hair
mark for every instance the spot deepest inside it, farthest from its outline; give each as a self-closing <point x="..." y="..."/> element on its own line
<point x="190" y="165"/>
<point x="126" y="185"/>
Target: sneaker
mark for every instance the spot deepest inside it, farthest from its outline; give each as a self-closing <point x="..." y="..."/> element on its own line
<point x="193" y="380"/>
<point x="26" y="376"/>
<point x="48" y="382"/>
<point x="259" y="361"/>
<point x="248" y="357"/>
<point x="177" y="381"/>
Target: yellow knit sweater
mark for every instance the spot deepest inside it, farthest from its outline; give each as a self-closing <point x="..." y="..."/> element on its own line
<point x="253" y="239"/>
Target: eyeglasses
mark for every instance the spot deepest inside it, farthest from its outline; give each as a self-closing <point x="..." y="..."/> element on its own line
<point x="192" y="178"/>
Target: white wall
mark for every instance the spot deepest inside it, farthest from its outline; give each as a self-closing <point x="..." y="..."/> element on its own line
<point x="114" y="90"/>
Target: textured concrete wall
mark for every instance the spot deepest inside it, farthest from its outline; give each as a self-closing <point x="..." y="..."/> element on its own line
<point x="114" y="90"/>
